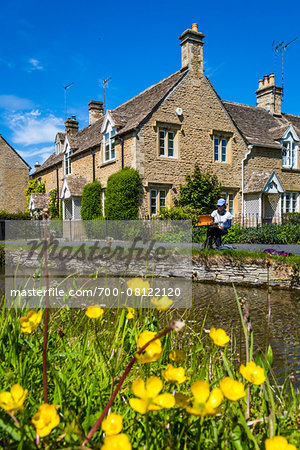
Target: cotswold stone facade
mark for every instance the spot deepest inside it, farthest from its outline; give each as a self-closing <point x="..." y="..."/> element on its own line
<point x="177" y="123"/>
<point x="14" y="177"/>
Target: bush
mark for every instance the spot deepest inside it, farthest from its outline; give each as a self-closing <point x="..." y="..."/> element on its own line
<point x="200" y="192"/>
<point x="122" y="195"/>
<point x="4" y="215"/>
<point x="291" y="218"/>
<point x="33" y="186"/>
<point x="179" y="213"/>
<point x="53" y="204"/>
<point x="266" y="234"/>
<point x="91" y="201"/>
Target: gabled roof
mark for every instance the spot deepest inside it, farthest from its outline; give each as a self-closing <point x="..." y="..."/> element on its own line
<point x="38" y="200"/>
<point x="258" y="126"/>
<point x="72" y="186"/>
<point x="262" y="181"/>
<point x="127" y="117"/>
<point x="19" y="156"/>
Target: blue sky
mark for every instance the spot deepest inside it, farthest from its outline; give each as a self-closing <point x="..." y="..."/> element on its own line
<point x="47" y="45"/>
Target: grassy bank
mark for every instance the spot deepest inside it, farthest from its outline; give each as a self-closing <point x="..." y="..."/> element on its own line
<point x="86" y="360"/>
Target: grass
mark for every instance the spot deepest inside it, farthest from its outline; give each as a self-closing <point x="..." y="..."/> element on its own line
<point x="86" y="358"/>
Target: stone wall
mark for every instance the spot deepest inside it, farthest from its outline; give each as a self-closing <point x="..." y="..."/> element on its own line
<point x="14" y="177"/>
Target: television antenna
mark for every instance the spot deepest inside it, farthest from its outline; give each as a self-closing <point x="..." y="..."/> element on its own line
<point x="277" y="47"/>
<point x="104" y="83"/>
<point x="66" y="87"/>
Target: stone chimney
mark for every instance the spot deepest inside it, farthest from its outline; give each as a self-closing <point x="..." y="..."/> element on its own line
<point x="37" y="165"/>
<point x="192" y="49"/>
<point x="268" y="95"/>
<point x="95" y="111"/>
<point x="71" y="125"/>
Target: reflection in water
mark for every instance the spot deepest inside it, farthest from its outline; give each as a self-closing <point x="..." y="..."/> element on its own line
<point x="218" y="302"/>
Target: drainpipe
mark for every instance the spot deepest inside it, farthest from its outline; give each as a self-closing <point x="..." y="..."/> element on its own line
<point x="122" y="150"/>
<point x="250" y="147"/>
<point x="93" y="155"/>
<point x="57" y="187"/>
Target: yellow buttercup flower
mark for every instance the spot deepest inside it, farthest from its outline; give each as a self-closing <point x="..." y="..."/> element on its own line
<point x="112" y="424"/>
<point x="205" y="403"/>
<point x="174" y="375"/>
<point x="94" y="312"/>
<point x="130" y="313"/>
<point x="45" y="419"/>
<point x="279" y="443"/>
<point x="219" y="336"/>
<point x="116" y="442"/>
<point x="232" y="389"/>
<point x="153" y="351"/>
<point x="253" y="373"/>
<point x="177" y="355"/>
<point x="148" y="396"/>
<point x="13" y="401"/>
<point x="162" y="303"/>
<point x="138" y="285"/>
<point x="31" y="321"/>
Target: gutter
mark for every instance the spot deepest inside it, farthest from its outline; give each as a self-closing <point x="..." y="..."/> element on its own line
<point x="250" y="147"/>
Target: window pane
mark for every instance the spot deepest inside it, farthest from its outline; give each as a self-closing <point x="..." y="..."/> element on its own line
<point x="153" y="195"/>
<point x="216" y="149"/>
<point x="161" y="143"/>
<point x="170" y="143"/>
<point x="294" y="202"/>
<point x="106" y="155"/>
<point x="112" y="156"/>
<point x="162" y="199"/>
<point x="230" y="203"/>
<point x="293" y="155"/>
<point x="224" y="147"/>
<point x="287" y="203"/>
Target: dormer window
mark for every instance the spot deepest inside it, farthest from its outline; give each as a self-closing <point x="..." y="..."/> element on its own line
<point x="57" y="148"/>
<point x="289" y="152"/>
<point x="109" y="145"/>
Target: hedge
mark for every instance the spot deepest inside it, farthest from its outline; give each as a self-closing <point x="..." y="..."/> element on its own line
<point x="4" y="215"/>
<point x="91" y="201"/>
<point x="122" y="195"/>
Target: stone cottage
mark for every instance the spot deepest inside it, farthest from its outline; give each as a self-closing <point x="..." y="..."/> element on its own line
<point x="177" y="123"/>
<point x="14" y="177"/>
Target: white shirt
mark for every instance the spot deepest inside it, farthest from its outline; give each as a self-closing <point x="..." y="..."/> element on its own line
<point x="221" y="219"/>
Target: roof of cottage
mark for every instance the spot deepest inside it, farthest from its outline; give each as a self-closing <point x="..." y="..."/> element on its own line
<point x="127" y="116"/>
<point x="19" y="156"/>
<point x="38" y="200"/>
<point x="256" y="182"/>
<point x="258" y="126"/>
<point x="75" y="185"/>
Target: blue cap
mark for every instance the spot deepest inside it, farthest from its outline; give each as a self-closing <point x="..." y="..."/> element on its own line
<point x="221" y="202"/>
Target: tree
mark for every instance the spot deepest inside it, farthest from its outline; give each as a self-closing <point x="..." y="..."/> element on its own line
<point x="201" y="192"/>
<point x="91" y="201"/>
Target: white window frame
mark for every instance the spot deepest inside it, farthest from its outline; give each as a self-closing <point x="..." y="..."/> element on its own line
<point x="164" y="148"/>
<point x="103" y="202"/>
<point x="229" y="198"/>
<point x="221" y="143"/>
<point x="159" y="195"/>
<point x="289" y="152"/>
<point x="289" y="202"/>
<point x="67" y="161"/>
<point x="57" y="148"/>
<point x="109" y="145"/>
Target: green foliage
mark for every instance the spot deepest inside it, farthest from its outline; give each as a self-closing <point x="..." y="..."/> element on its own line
<point x="201" y="191"/>
<point x="33" y="186"/>
<point x="91" y="201"/>
<point x="292" y="218"/>
<point x="122" y="195"/>
<point x="53" y="204"/>
<point x="4" y="215"/>
<point x="267" y="234"/>
<point x="179" y="213"/>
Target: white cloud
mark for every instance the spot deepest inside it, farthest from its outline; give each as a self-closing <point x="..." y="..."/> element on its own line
<point x="37" y="152"/>
<point x="35" y="64"/>
<point x="14" y="103"/>
<point x="31" y="128"/>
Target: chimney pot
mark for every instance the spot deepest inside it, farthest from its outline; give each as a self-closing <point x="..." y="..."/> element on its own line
<point x="95" y="111"/>
<point x="37" y="165"/>
<point x="266" y="80"/>
<point x="260" y="83"/>
<point x="272" y="78"/>
<point x="195" y="27"/>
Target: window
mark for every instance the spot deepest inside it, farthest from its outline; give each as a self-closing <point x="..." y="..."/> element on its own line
<point x="68" y="162"/>
<point x="289" y="153"/>
<point x="109" y="145"/>
<point x="289" y="202"/>
<point x="157" y="200"/>
<point x="57" y="148"/>
<point x="166" y="146"/>
<point x="229" y="198"/>
<point x="220" y="149"/>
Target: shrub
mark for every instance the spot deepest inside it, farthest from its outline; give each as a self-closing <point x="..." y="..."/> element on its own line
<point x="91" y="201"/>
<point x="179" y="213"/>
<point x="33" y="186"/>
<point x="200" y="192"/>
<point x="4" y="215"/>
<point x="53" y="204"/>
<point x="122" y="195"/>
